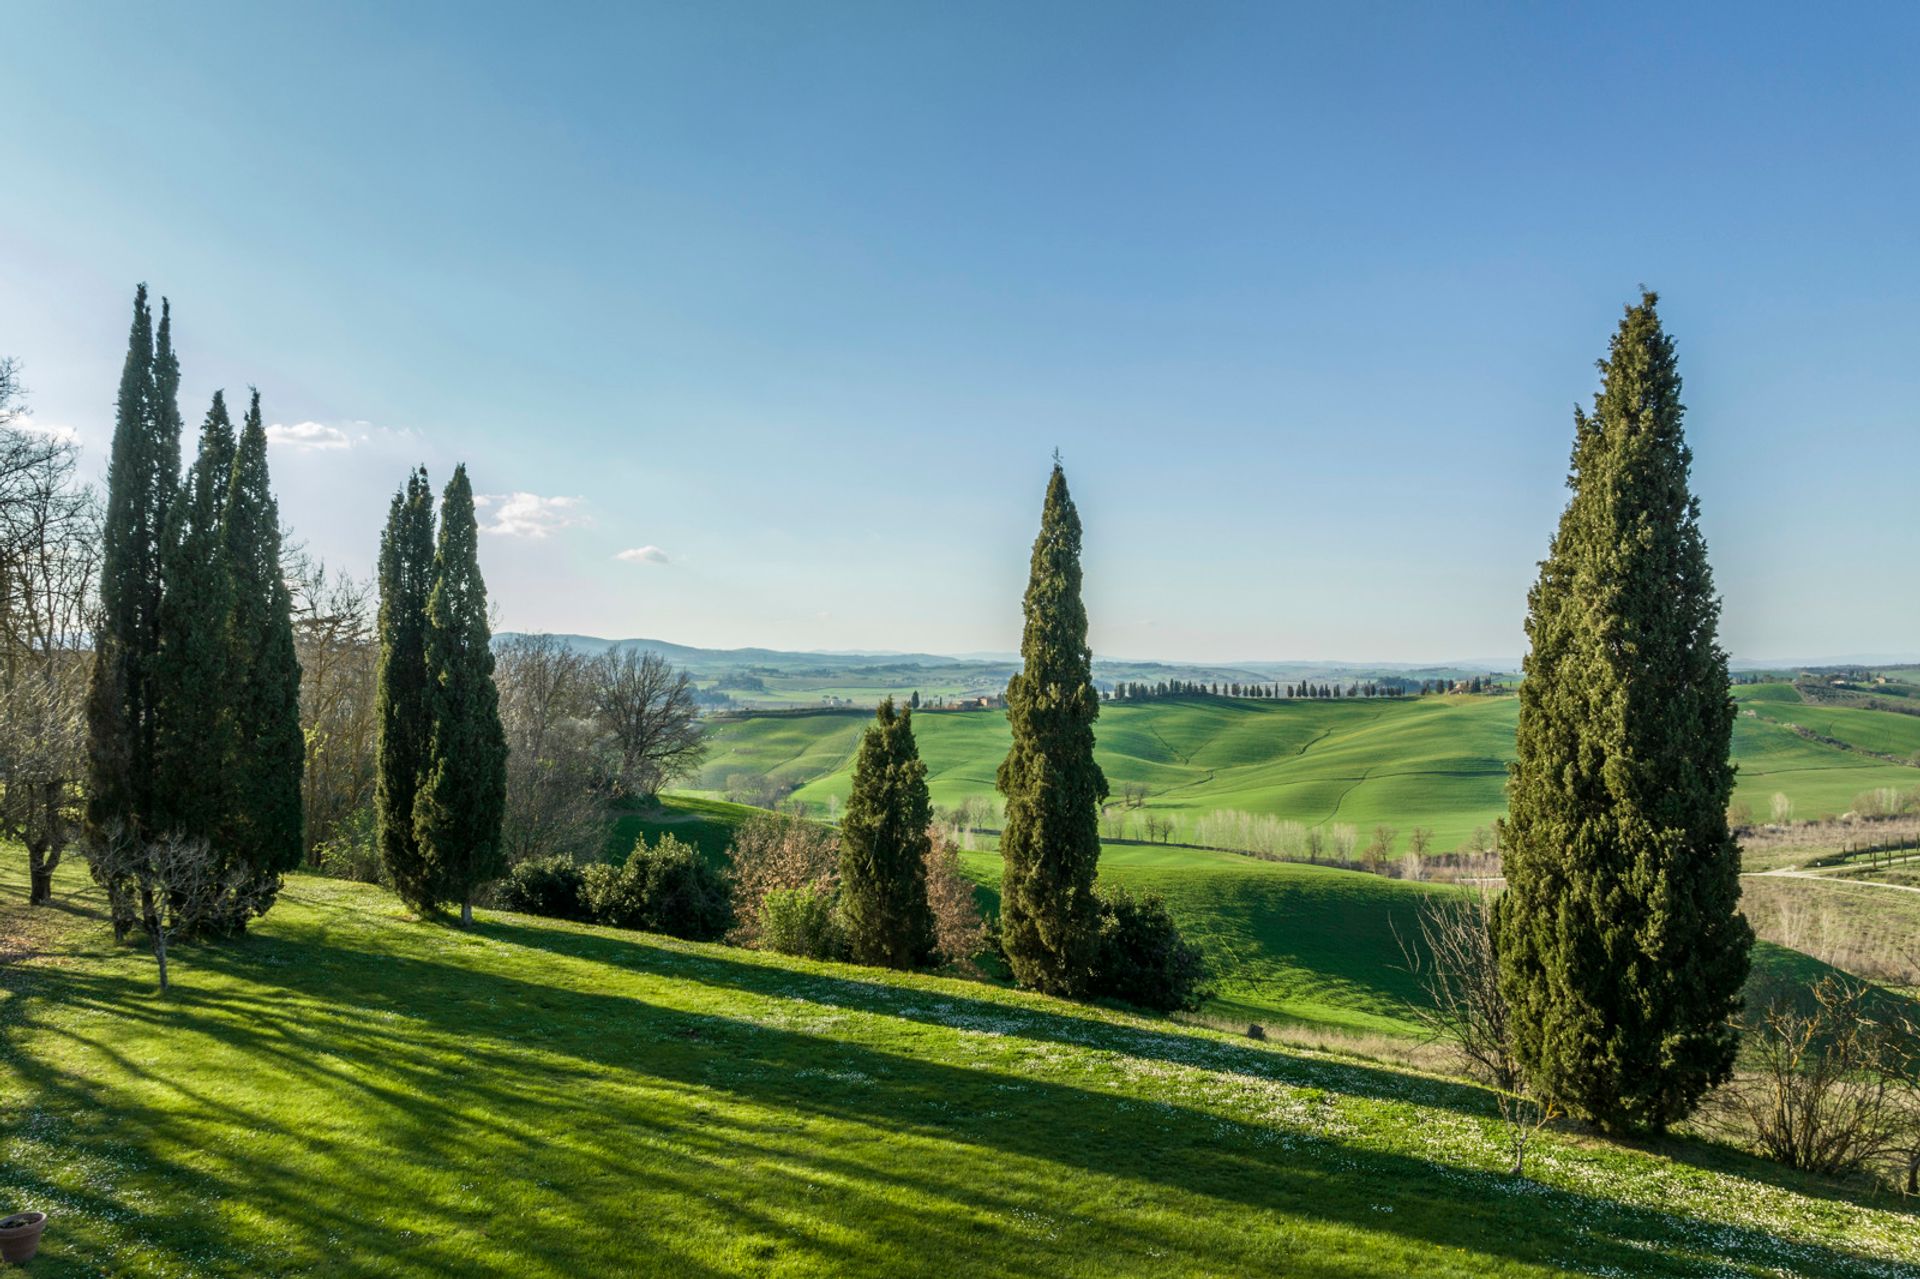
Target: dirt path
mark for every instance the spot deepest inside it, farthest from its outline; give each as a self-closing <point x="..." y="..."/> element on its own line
<point x="1826" y="879"/>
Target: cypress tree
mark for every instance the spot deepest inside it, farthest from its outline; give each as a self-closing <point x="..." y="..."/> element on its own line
<point x="142" y="472"/>
<point x="1053" y="787"/>
<point x="194" y="748"/>
<point x="1622" y="950"/>
<point x="400" y="697"/>
<point x="463" y="779"/>
<point x="883" y="847"/>
<point x="263" y="675"/>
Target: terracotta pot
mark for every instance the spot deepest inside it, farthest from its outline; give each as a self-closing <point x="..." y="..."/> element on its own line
<point x="20" y="1235"/>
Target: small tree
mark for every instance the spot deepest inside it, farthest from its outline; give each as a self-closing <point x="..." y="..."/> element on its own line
<point x="185" y="888"/>
<point x="883" y="847"/>
<point x="1782" y="808"/>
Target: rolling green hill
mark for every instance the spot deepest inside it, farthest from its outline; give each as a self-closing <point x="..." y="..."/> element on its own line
<point x="347" y="1092"/>
<point x="1438" y="762"/>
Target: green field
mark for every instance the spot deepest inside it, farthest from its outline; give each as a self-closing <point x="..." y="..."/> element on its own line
<point x="1438" y="762"/>
<point x="347" y="1092"/>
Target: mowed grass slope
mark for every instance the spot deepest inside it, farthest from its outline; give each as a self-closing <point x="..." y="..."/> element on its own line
<point x="1438" y="762"/>
<point x="346" y="1092"/>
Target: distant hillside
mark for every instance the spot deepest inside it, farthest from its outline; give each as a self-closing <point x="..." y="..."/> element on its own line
<point x="1436" y="762"/>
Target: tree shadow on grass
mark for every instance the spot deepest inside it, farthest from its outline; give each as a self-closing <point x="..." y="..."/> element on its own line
<point x="673" y="1139"/>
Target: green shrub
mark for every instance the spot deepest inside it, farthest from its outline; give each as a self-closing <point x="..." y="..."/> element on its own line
<point x="1140" y="956"/>
<point x="352" y="852"/>
<point x="664" y="888"/>
<point x="551" y="886"/>
<point x="802" y="921"/>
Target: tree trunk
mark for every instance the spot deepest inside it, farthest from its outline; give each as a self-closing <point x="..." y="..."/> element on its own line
<point x="466" y="913"/>
<point x="160" y="954"/>
<point x="40" y="891"/>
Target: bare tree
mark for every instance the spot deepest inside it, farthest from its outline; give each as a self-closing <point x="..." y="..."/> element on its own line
<point x="333" y="633"/>
<point x="1133" y="794"/>
<point x="648" y="709"/>
<point x="185" y="887"/>
<point x="49" y="560"/>
<point x="43" y="753"/>
<point x="1782" y="808"/>
<point x="555" y="749"/>
<point x="1419" y="840"/>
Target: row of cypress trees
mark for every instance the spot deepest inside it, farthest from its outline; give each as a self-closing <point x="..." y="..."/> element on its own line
<point x="194" y="707"/>
<point x="441" y="773"/>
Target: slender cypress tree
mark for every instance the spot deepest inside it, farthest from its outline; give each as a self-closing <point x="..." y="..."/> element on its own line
<point x="400" y="698"/>
<point x="463" y="779"/>
<point x="1622" y="950"/>
<point x="263" y="673"/>
<point x="1053" y="787"/>
<point x="194" y="748"/>
<point x="883" y="847"/>
<point x="143" y="471"/>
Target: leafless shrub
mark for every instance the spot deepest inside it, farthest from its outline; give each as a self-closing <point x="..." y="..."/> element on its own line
<point x="1454" y="960"/>
<point x="959" y="932"/>
<point x="1825" y="1090"/>
<point x="777" y="852"/>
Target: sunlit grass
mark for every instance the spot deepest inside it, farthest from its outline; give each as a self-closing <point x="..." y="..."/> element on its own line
<point x="351" y="1092"/>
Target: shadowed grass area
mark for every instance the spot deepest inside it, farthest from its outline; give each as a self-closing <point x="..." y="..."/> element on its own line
<point x="349" y="1092"/>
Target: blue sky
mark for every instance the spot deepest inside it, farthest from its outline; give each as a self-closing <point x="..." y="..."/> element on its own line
<point x="802" y="298"/>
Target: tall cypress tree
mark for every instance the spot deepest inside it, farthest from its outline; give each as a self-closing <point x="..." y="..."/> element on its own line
<point x="400" y="698"/>
<point x="143" y="471"/>
<point x="883" y="847"/>
<point x="1053" y="787"/>
<point x="194" y="747"/>
<point x="463" y="779"/>
<point x="1622" y="950"/>
<point x="263" y="673"/>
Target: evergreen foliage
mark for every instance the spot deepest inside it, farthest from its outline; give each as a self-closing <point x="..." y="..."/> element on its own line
<point x="406" y="578"/>
<point x="883" y="847"/>
<point x="194" y="746"/>
<point x="1621" y="947"/>
<point x="1141" y="957"/>
<point x="263" y="676"/>
<point x="664" y="887"/>
<point x="462" y="792"/>
<point x="142" y="472"/>
<point x="1053" y="787"/>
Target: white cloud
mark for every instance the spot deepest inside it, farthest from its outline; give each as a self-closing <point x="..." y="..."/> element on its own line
<point x="309" y="437"/>
<point x="643" y="555"/>
<point x="52" y="430"/>
<point x="529" y="514"/>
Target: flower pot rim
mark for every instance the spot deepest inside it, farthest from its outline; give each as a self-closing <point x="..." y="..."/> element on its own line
<point x="15" y="1222"/>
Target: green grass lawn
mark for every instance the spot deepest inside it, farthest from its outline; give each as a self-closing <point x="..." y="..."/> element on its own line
<point x="347" y="1092"/>
<point x="707" y="824"/>
<point x="1438" y="762"/>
